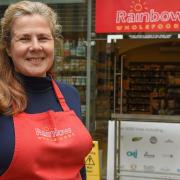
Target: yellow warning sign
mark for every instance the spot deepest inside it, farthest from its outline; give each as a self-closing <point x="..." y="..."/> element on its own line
<point x="93" y="163"/>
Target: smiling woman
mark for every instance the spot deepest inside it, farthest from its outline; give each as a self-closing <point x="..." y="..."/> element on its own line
<point x="18" y="13"/>
<point x="39" y="117"/>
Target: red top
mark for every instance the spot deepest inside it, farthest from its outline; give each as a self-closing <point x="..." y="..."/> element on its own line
<point x="49" y="145"/>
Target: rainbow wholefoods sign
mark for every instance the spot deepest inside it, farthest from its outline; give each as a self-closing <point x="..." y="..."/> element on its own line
<point x="137" y="16"/>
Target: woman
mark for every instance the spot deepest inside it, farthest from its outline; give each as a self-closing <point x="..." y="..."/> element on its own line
<point x="40" y="136"/>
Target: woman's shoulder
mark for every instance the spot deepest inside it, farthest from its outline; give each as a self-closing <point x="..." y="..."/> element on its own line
<point x="68" y="89"/>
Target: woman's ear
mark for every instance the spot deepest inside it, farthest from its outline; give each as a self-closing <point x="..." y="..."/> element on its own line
<point x="8" y="52"/>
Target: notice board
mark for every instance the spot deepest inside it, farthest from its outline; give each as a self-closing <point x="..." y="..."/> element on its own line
<point x="143" y="147"/>
<point x="150" y="149"/>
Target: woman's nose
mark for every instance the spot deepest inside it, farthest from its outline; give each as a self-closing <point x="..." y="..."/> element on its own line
<point x="35" y="45"/>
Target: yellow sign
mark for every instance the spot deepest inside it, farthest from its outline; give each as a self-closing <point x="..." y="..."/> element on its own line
<point x="92" y="163"/>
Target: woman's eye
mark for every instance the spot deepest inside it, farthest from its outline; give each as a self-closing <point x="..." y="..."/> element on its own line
<point x="43" y="38"/>
<point x="24" y="39"/>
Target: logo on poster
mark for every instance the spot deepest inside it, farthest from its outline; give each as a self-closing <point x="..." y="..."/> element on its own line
<point x="133" y="167"/>
<point x="147" y="155"/>
<point x="135" y="139"/>
<point x="169" y="141"/>
<point x="153" y="140"/>
<point x="149" y="168"/>
<point x="132" y="154"/>
<point x="168" y="155"/>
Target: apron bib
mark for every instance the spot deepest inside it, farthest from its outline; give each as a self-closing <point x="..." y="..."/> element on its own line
<point x="49" y="145"/>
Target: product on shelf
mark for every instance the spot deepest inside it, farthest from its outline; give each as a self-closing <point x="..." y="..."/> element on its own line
<point x="71" y="68"/>
<point x="153" y="88"/>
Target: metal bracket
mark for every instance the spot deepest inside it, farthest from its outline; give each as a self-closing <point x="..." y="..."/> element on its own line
<point x="114" y="37"/>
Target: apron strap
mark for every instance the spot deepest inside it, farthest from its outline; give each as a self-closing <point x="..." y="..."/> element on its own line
<point x="59" y="96"/>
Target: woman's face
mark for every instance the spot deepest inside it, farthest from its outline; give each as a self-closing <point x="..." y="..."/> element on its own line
<point x="32" y="45"/>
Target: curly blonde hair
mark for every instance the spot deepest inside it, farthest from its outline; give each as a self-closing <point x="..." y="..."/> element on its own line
<point x="12" y="93"/>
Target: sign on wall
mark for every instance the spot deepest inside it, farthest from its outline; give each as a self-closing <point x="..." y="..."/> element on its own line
<point x="137" y="16"/>
<point x="149" y="150"/>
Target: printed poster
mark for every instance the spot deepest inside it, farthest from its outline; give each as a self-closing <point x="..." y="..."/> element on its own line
<point x="150" y="150"/>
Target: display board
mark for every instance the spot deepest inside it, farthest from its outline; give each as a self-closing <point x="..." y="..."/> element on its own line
<point x="147" y="150"/>
<point x="150" y="149"/>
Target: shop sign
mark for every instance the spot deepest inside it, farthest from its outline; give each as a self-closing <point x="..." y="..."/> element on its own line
<point x="116" y="16"/>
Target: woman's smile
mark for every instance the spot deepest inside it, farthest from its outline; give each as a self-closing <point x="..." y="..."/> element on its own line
<point x="35" y="60"/>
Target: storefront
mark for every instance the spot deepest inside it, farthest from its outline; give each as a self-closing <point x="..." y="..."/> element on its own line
<point x="142" y="80"/>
